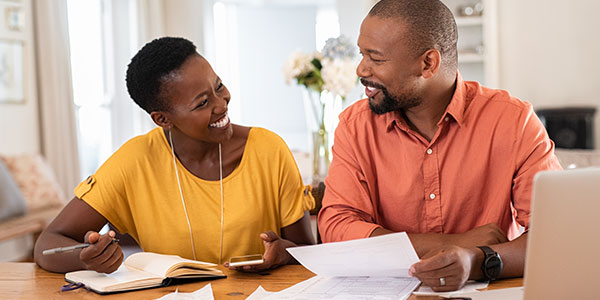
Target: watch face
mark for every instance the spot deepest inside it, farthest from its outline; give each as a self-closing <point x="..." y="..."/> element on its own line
<point x="493" y="266"/>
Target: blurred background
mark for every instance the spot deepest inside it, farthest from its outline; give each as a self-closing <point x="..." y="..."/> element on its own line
<point x="62" y="69"/>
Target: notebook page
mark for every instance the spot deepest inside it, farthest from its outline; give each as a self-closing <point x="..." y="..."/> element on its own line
<point x="160" y="264"/>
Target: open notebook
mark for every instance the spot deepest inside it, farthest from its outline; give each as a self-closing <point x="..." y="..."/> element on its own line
<point x="145" y="270"/>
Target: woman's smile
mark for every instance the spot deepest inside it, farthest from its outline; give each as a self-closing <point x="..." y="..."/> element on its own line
<point x="221" y="123"/>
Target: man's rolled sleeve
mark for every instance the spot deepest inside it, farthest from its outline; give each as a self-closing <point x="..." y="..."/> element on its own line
<point x="347" y="211"/>
<point x="535" y="154"/>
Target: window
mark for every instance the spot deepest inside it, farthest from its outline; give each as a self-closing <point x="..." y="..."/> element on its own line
<point x="92" y="105"/>
<point x="248" y="43"/>
<point x="103" y="37"/>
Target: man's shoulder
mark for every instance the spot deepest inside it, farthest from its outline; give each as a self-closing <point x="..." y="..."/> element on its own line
<point x="359" y="110"/>
<point x="496" y="96"/>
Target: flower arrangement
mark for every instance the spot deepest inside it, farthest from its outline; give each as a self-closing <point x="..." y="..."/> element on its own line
<point x="330" y="73"/>
<point x="331" y="70"/>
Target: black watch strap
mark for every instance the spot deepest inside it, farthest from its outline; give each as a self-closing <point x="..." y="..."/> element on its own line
<point x="491" y="267"/>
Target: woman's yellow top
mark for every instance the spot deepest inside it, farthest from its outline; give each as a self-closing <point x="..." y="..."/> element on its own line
<point x="136" y="190"/>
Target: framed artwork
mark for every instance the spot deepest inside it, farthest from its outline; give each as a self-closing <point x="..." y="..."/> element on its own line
<point x="15" y="20"/>
<point x="11" y="72"/>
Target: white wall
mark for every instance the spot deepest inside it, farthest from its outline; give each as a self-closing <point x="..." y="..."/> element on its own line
<point x="351" y="14"/>
<point x="19" y="123"/>
<point x="549" y="52"/>
<point x="184" y="18"/>
<point x="267" y="35"/>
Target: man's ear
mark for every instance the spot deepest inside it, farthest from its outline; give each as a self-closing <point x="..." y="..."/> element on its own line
<point x="431" y="61"/>
<point x="161" y="119"/>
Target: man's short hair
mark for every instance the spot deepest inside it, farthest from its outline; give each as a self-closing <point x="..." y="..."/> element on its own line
<point x="149" y="68"/>
<point x="430" y="25"/>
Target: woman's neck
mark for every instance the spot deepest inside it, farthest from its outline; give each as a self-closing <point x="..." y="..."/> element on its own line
<point x="202" y="158"/>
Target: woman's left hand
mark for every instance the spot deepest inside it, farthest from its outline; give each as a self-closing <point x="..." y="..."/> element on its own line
<point x="275" y="254"/>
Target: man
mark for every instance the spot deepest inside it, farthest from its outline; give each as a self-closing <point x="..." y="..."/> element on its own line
<point x="448" y="161"/>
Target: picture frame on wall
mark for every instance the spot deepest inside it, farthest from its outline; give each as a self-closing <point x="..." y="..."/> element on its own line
<point x="11" y="72"/>
<point x="15" y="19"/>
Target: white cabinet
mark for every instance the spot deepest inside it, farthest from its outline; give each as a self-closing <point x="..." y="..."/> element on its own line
<point x="477" y="39"/>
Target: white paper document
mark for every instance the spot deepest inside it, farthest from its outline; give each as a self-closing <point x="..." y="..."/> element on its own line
<point x="470" y="287"/>
<point x="259" y="294"/>
<point x="349" y="288"/>
<point x="372" y="268"/>
<point x="385" y="255"/>
<point x="515" y="293"/>
<point x="204" y="293"/>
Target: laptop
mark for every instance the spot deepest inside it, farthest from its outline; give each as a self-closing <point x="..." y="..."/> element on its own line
<point x="563" y="247"/>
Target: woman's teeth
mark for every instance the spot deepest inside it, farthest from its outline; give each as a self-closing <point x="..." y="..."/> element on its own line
<point x="224" y="121"/>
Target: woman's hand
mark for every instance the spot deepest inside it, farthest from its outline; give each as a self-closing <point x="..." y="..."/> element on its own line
<point x="103" y="255"/>
<point x="275" y="254"/>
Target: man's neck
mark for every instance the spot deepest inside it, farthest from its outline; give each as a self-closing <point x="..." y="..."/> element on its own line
<point x="425" y="117"/>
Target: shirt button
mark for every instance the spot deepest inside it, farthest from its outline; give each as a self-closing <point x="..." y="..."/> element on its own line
<point x="429" y="151"/>
<point x="432" y="196"/>
<point x="446" y="119"/>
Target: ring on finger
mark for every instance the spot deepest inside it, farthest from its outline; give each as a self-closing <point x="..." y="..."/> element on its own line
<point x="442" y="281"/>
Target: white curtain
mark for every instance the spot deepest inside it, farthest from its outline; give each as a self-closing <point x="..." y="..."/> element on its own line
<point x="150" y="25"/>
<point x="151" y="20"/>
<point x="57" y="111"/>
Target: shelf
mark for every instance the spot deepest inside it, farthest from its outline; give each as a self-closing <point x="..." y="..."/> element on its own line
<point x="469" y="21"/>
<point x="470" y="58"/>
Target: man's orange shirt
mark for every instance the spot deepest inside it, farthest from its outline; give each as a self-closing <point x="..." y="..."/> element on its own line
<point x="477" y="169"/>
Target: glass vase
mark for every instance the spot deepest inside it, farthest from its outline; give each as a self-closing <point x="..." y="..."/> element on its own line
<point x="320" y="155"/>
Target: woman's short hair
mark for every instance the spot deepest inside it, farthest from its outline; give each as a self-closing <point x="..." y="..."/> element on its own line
<point x="148" y="69"/>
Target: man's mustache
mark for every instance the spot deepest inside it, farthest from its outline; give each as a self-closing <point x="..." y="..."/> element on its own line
<point x="371" y="84"/>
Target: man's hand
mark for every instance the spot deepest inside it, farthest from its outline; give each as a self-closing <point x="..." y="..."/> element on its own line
<point x="275" y="254"/>
<point x="452" y="263"/>
<point x="102" y="255"/>
<point x="488" y="234"/>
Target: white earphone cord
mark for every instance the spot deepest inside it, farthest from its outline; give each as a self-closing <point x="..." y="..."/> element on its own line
<point x="181" y="194"/>
<point x="183" y="201"/>
<point x="221" y="180"/>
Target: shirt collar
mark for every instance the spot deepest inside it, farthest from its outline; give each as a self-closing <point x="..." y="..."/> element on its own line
<point x="456" y="107"/>
<point x="392" y="118"/>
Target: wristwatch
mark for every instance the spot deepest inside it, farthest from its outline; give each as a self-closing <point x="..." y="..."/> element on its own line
<point x="492" y="264"/>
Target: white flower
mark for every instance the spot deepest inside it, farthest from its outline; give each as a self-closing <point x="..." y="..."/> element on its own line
<point x="298" y="64"/>
<point x="340" y="47"/>
<point x="339" y="76"/>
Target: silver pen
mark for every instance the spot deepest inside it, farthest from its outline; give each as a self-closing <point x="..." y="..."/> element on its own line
<point x="69" y="248"/>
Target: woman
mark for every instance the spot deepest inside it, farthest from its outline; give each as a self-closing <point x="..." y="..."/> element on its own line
<point x="197" y="186"/>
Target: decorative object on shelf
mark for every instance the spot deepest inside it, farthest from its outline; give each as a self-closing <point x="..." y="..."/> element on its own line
<point x="328" y="76"/>
<point x="475" y="9"/>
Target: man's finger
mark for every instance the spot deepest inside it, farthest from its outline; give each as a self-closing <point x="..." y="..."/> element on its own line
<point x="436" y="262"/>
<point x="450" y="270"/>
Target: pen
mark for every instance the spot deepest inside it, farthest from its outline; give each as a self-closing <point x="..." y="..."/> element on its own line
<point x="69" y="248"/>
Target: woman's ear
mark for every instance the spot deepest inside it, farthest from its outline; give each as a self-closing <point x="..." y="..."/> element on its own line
<point x="161" y="119"/>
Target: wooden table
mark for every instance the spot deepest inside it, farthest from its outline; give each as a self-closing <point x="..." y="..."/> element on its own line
<point x="28" y="281"/>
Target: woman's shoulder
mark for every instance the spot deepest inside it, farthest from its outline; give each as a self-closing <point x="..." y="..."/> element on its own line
<point x="265" y="138"/>
<point x="140" y="147"/>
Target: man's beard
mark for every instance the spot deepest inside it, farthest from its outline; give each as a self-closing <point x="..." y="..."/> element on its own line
<point x="390" y="102"/>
